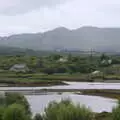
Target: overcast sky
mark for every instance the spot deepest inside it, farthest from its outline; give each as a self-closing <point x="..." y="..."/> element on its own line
<point x="24" y="16"/>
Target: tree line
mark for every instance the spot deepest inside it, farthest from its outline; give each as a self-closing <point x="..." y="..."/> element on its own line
<point x="53" y="64"/>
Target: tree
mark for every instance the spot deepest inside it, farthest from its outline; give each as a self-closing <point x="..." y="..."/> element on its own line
<point x="56" y="57"/>
<point x="48" y="71"/>
<point x="15" y="112"/>
<point x="103" y="57"/>
<point x="40" y="64"/>
<point x="38" y="117"/>
<point x="12" y="98"/>
<point x="66" y="110"/>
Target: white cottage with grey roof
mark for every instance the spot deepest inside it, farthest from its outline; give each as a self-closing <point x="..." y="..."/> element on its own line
<point x="19" y="68"/>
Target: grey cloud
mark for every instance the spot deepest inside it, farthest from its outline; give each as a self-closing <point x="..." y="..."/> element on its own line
<point x="42" y="15"/>
<point x="24" y="6"/>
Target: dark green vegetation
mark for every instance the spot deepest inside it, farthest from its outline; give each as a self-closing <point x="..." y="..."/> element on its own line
<point x="116" y="112"/>
<point x="15" y="112"/>
<point x="14" y="108"/>
<point x="55" y="68"/>
<point x="14" y="98"/>
<point x="67" y="111"/>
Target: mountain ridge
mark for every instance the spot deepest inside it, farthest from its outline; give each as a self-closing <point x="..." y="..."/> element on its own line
<point x="86" y="37"/>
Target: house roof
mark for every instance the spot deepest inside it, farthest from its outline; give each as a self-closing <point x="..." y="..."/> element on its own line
<point x="63" y="59"/>
<point x="19" y="66"/>
<point x="96" y="72"/>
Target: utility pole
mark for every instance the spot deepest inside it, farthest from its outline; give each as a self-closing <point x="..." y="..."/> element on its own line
<point x="91" y="55"/>
<point x="91" y="61"/>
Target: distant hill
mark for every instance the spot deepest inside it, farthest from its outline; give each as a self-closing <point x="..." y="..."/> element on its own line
<point x="100" y="39"/>
<point x="17" y="51"/>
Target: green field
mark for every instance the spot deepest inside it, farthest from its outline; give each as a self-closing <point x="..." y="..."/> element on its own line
<point x="38" y="79"/>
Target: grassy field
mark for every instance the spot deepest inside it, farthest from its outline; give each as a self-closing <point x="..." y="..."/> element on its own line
<point x="11" y="78"/>
<point x="38" y="79"/>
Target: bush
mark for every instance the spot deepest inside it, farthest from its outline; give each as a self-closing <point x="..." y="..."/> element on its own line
<point x="14" y="112"/>
<point x="66" y="110"/>
<point x="2" y="109"/>
<point x="48" y="71"/>
<point x="38" y="117"/>
<point x="116" y="112"/>
<point x="12" y="98"/>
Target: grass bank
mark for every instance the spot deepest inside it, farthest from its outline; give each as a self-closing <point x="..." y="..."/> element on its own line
<point x="115" y="94"/>
<point x="37" y="79"/>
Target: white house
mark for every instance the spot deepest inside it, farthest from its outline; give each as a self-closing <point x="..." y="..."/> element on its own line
<point x="63" y="59"/>
<point x="96" y="72"/>
<point x="106" y="61"/>
<point x="19" y="68"/>
<point x="110" y="61"/>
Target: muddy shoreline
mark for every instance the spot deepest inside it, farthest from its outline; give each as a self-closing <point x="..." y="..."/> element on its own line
<point x="114" y="94"/>
<point x="32" y="84"/>
<point x="45" y="83"/>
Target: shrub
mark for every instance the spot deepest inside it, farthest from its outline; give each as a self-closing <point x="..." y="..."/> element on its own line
<point x="116" y="112"/>
<point x="38" y="117"/>
<point x="12" y="98"/>
<point x="66" y="110"/>
<point x="14" y="112"/>
<point x="2" y="109"/>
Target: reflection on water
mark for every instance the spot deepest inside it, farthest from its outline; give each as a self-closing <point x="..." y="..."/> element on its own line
<point x="97" y="104"/>
<point x="89" y="85"/>
<point x="71" y="85"/>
